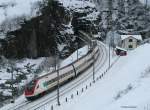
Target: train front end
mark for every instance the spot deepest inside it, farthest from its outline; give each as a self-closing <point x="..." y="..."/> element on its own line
<point x="30" y="90"/>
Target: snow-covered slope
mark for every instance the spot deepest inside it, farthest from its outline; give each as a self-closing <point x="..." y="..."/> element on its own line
<point x="125" y="85"/>
<point x="13" y="12"/>
<point x="14" y="8"/>
<point x="73" y="57"/>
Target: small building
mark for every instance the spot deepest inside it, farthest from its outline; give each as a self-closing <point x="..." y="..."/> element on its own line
<point x="130" y="42"/>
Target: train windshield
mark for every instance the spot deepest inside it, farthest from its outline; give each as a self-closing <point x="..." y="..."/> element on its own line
<point x="31" y="85"/>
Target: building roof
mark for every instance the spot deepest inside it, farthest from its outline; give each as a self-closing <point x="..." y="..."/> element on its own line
<point x="138" y="37"/>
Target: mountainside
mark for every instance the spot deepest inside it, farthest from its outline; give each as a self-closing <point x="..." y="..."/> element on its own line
<point x="49" y="28"/>
<point x="127" y="15"/>
<point x="52" y="25"/>
<point x="54" y="28"/>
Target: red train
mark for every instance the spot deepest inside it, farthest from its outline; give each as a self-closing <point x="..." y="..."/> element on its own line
<point x="120" y="51"/>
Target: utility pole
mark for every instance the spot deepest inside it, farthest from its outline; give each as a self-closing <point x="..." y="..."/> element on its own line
<point x="57" y="69"/>
<point x="109" y="56"/>
<point x="12" y="86"/>
<point x="93" y="64"/>
<point x="110" y="4"/>
<point x="77" y="50"/>
<point x="55" y="61"/>
<point x="58" y="101"/>
<point x="113" y="43"/>
<point x="10" y="70"/>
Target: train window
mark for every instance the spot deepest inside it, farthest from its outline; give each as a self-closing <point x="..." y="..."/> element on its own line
<point x="31" y="85"/>
<point x="37" y="87"/>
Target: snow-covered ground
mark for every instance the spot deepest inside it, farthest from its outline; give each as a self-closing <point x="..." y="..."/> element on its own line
<point x="6" y="76"/>
<point x="73" y="57"/>
<point x="13" y="12"/>
<point x="13" y="8"/>
<point x="66" y="89"/>
<point x="125" y="86"/>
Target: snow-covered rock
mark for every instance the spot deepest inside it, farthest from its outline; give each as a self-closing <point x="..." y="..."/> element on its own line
<point x="13" y="11"/>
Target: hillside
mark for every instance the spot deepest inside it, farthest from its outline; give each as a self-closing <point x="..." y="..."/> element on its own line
<point x="50" y="27"/>
<point x="128" y="16"/>
<point x="125" y="86"/>
<point x="33" y="33"/>
<point x="47" y="28"/>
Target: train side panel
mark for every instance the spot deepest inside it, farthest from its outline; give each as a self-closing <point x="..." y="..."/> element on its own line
<point x="50" y="81"/>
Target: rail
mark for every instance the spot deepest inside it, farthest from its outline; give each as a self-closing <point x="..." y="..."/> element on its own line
<point x="66" y="90"/>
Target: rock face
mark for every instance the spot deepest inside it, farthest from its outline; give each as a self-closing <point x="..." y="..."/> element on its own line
<point x="54" y="30"/>
<point x="36" y="37"/>
<point x="56" y="27"/>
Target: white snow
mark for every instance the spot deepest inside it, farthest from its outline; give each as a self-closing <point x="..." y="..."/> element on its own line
<point x="80" y="6"/>
<point x="125" y="86"/>
<point x="92" y="16"/>
<point x="73" y="57"/>
<point x="76" y="4"/>
<point x="26" y="61"/>
<point x="5" y="75"/>
<point x="12" y="12"/>
<point x="138" y="37"/>
<point x="13" y="8"/>
<point x="127" y="71"/>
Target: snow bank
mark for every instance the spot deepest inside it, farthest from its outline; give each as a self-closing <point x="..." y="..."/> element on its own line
<point x="122" y="80"/>
<point x="76" y="4"/>
<point x="12" y="13"/>
<point x="73" y="57"/>
<point x="35" y="62"/>
<point x="12" y="8"/>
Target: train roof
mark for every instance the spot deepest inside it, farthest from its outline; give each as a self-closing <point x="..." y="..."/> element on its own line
<point x="50" y="73"/>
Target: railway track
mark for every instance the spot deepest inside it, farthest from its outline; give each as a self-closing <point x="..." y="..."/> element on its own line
<point x="66" y="88"/>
